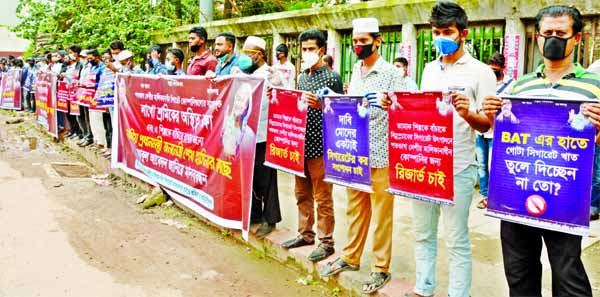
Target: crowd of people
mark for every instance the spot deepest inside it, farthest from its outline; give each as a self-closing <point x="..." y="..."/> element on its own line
<point x="558" y="31"/>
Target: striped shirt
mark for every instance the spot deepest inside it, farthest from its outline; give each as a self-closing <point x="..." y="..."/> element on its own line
<point x="578" y="85"/>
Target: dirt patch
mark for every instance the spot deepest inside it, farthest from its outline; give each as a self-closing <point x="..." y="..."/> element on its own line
<point x="72" y="169"/>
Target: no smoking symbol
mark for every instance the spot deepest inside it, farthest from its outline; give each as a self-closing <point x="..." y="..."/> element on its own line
<point x="536" y="205"/>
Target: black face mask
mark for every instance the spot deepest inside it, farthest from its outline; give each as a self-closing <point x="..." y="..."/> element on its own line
<point x="555" y="47"/>
<point x="498" y="74"/>
<point x="93" y="63"/>
<point x="151" y="62"/>
<point x="31" y="64"/>
<point x="363" y="51"/>
<point x="195" y="48"/>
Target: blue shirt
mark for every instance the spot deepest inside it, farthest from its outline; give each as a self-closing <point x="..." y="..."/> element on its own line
<point x="226" y="69"/>
<point x="158" y="68"/>
<point x="99" y="69"/>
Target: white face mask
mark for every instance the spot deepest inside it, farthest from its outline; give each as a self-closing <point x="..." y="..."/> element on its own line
<point x="309" y="60"/>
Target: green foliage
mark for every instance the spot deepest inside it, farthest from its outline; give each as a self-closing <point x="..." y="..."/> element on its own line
<point x="94" y="24"/>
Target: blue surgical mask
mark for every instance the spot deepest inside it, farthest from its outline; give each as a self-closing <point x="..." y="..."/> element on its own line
<point x="245" y="62"/>
<point x="169" y="66"/>
<point x="446" y="46"/>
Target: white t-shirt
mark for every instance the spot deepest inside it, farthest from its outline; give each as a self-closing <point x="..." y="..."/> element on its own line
<point x="287" y="72"/>
<point x="478" y="81"/>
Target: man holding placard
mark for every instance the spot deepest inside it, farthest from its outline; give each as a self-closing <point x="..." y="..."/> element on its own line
<point x="558" y="32"/>
<point x="468" y="81"/>
<point x="312" y="188"/>
<point x="371" y="76"/>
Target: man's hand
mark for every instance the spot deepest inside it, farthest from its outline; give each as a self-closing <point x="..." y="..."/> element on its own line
<point x="461" y="104"/>
<point x="375" y="99"/>
<point x="491" y="105"/>
<point x="313" y="101"/>
<point x="592" y="112"/>
<point x="386" y="102"/>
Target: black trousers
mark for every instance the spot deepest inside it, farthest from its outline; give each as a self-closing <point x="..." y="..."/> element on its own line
<point x="265" y="195"/>
<point x="31" y="100"/>
<point x="84" y="123"/>
<point x="73" y="123"/>
<point x="522" y="249"/>
<point x="108" y="128"/>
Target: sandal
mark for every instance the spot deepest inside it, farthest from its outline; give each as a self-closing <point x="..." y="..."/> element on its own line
<point x="329" y="270"/>
<point x="482" y="204"/>
<point x="377" y="281"/>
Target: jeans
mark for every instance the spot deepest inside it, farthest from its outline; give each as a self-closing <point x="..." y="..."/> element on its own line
<point x="455" y="219"/>
<point x="595" y="206"/>
<point x="483" y="150"/>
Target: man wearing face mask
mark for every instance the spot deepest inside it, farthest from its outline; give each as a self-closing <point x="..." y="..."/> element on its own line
<point x="224" y="46"/>
<point x="174" y="61"/>
<point x="402" y="64"/>
<point x="285" y="67"/>
<point x="202" y="61"/>
<point x="125" y="58"/>
<point x="558" y="32"/>
<point x="310" y="189"/>
<point x="372" y="77"/>
<point x="454" y="69"/>
<point x="153" y="59"/>
<point x="265" y="195"/>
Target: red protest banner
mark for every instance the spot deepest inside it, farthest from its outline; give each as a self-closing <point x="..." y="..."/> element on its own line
<point x="285" y="131"/>
<point x="194" y="137"/>
<point x="11" y="90"/>
<point x="63" y="94"/>
<point x="45" y="101"/>
<point x="421" y="146"/>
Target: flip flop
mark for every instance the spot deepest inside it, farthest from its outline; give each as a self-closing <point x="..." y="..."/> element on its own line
<point x="376" y="281"/>
<point x="342" y="266"/>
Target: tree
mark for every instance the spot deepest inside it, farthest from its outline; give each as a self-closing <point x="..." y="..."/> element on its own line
<point x="96" y="23"/>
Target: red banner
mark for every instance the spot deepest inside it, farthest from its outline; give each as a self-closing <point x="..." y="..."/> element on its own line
<point x="10" y="88"/>
<point x="195" y="138"/>
<point x="86" y="91"/>
<point x="63" y="94"/>
<point x="421" y="146"/>
<point x="285" y="131"/>
<point x="45" y="101"/>
<point x="74" y="108"/>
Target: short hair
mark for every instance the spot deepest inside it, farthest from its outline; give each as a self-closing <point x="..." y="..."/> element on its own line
<point x="313" y="34"/>
<point x="445" y="14"/>
<point x="117" y="44"/>
<point x="107" y="51"/>
<point x="153" y="48"/>
<point x="75" y="48"/>
<point x="229" y="37"/>
<point x="93" y="52"/>
<point x="401" y="60"/>
<point x="560" y="10"/>
<point x="497" y="59"/>
<point x="328" y="59"/>
<point x="200" y="31"/>
<point x="282" y="48"/>
<point x="177" y="53"/>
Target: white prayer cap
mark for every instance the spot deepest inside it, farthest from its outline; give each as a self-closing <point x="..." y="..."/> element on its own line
<point x="365" y="25"/>
<point x="253" y="41"/>
<point x="124" y="55"/>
